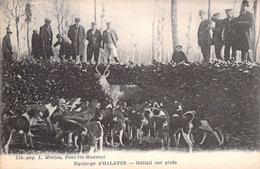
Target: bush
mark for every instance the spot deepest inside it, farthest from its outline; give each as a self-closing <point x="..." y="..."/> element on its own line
<point x="229" y="92"/>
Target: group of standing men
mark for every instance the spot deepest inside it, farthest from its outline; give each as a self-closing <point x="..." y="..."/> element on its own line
<point x="72" y="45"/>
<point x="232" y="32"/>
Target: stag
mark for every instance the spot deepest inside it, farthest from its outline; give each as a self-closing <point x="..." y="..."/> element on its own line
<point x="131" y="94"/>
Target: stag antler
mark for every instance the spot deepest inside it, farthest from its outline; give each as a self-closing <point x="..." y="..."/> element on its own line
<point x="97" y="71"/>
<point x="106" y="70"/>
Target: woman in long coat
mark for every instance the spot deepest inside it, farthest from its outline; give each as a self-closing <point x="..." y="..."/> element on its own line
<point x="76" y="34"/>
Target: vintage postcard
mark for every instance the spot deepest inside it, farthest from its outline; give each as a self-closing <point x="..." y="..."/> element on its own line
<point x="130" y="84"/>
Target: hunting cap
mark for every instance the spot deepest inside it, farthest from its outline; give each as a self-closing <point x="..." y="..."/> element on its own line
<point x="178" y="46"/>
<point x="77" y="19"/>
<point x="228" y="10"/>
<point x="35" y="31"/>
<point x="93" y="23"/>
<point x="216" y="14"/>
<point x="9" y="31"/>
<point x="245" y="3"/>
<point x="201" y="12"/>
<point x="47" y="20"/>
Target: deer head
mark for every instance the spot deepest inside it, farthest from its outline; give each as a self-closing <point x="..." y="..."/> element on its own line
<point x="103" y="77"/>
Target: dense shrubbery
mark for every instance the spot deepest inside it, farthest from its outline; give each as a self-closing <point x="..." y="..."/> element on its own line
<point x="227" y="93"/>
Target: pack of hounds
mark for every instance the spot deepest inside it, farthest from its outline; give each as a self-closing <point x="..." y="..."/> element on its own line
<point x="86" y="125"/>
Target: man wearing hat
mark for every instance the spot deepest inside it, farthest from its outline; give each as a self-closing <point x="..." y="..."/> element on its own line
<point x="46" y="39"/>
<point x="110" y="39"/>
<point x="94" y="38"/>
<point x="217" y="32"/>
<point x="228" y="35"/>
<point x="178" y="55"/>
<point x="65" y="47"/>
<point x="76" y="34"/>
<point x="204" y="37"/>
<point x="7" y="46"/>
<point x="36" y="45"/>
<point x="244" y="31"/>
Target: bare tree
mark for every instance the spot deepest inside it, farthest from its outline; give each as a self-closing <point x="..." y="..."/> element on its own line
<point x="95" y="10"/>
<point x="174" y="22"/>
<point x="63" y="15"/>
<point x="255" y="43"/>
<point x="102" y="16"/>
<point x="28" y="19"/>
<point x="188" y="34"/>
<point x="153" y="32"/>
<point x="13" y="12"/>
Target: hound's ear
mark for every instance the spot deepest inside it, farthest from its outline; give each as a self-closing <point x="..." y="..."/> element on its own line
<point x="107" y="73"/>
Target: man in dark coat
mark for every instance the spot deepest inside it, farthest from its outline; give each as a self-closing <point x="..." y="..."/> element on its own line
<point x="46" y="39"/>
<point x="110" y="39"/>
<point x="65" y="47"/>
<point x="7" y="47"/>
<point x="178" y="55"/>
<point x="217" y="32"/>
<point x="36" y="45"/>
<point x="76" y="34"/>
<point x="204" y="37"/>
<point x="228" y="35"/>
<point x="244" y="30"/>
<point x="94" y="38"/>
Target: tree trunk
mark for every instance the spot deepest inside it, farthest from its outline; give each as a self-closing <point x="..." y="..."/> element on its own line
<point x="95" y="10"/>
<point x="58" y="19"/>
<point x="162" y="43"/>
<point x="255" y="32"/>
<point x="18" y="41"/>
<point x="174" y="23"/>
<point x="153" y="33"/>
<point x="133" y="49"/>
<point x="188" y="34"/>
<point x="28" y="41"/>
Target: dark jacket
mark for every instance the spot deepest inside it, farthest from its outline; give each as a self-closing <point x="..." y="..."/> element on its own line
<point x="36" y="45"/>
<point x="178" y="57"/>
<point x="217" y="31"/>
<point x="65" y="46"/>
<point x="114" y="37"/>
<point x="46" y="40"/>
<point x="229" y="31"/>
<point x="244" y="25"/>
<point x="94" y="40"/>
<point x="203" y="34"/>
<point x="77" y="37"/>
<point x="6" y="45"/>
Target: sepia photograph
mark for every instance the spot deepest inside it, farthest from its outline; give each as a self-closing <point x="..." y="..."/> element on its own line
<point x="129" y="84"/>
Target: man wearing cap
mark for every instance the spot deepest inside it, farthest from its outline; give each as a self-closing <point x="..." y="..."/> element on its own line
<point x="7" y="47"/>
<point x="94" y="38"/>
<point x="217" y="33"/>
<point x="178" y="55"/>
<point x="76" y="34"/>
<point x="228" y="35"/>
<point x="110" y="39"/>
<point x="36" y="45"/>
<point x="46" y="39"/>
<point x="244" y="30"/>
<point x="204" y="37"/>
<point x="65" y="51"/>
